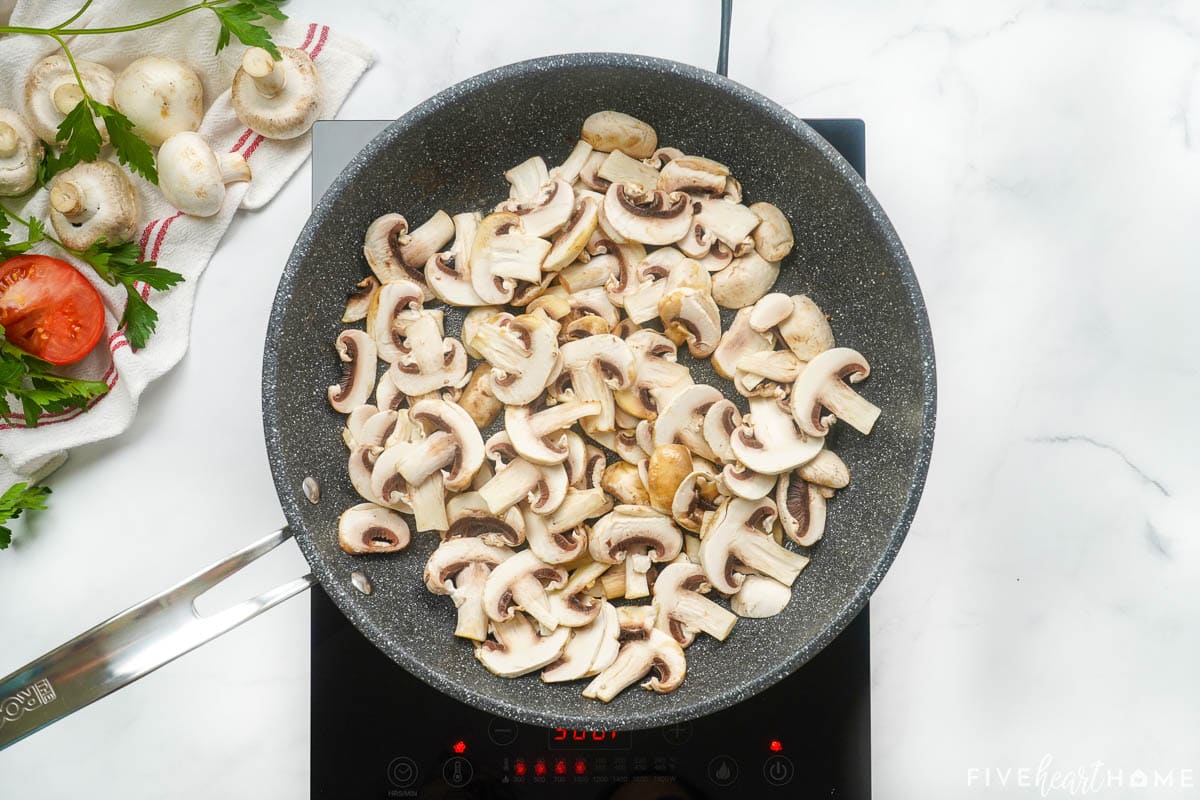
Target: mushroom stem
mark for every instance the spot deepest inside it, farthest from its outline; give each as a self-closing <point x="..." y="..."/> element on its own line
<point x="67" y="96"/>
<point x="428" y="456"/>
<point x="529" y="595"/>
<point x="468" y="598"/>
<point x="67" y="199"/>
<point x="637" y="582"/>
<point x="260" y="66"/>
<point x="509" y="485"/>
<point x="850" y="406"/>
<point x="8" y="140"/>
<point x="699" y="613"/>
<point x="234" y="168"/>
<point x="759" y="552"/>
<point x="429" y="504"/>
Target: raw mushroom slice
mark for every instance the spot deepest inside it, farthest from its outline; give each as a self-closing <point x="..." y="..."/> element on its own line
<point x="590" y="650"/>
<point x="647" y="216"/>
<point x="694" y="316"/>
<point x="606" y="131"/>
<point x="358" y="301"/>
<point x="826" y="469"/>
<point x="519" y="649"/>
<point x="773" y="237"/>
<point x="694" y="175"/>
<point x="569" y="169"/>
<point x="357" y="353"/>
<point x="573" y="605"/>
<point x="459" y="568"/>
<point x="822" y="384"/>
<point x="716" y="220"/>
<point x="682" y="420"/>
<point x="635" y="536"/>
<point x="277" y="99"/>
<point x="641" y="304"/>
<point x="589" y="175"/>
<point x="453" y="446"/>
<point x="696" y="496"/>
<point x="801" y="509"/>
<point x="736" y="540"/>
<point x="477" y="398"/>
<point x="557" y="537"/>
<point x="744" y="281"/>
<point x="93" y="201"/>
<point x="395" y="254"/>
<point x="469" y="516"/>
<point x="192" y="177"/>
<point x="21" y="153"/>
<point x="544" y="213"/>
<point x="523" y="352"/>
<point x="368" y="528"/>
<point x="161" y="97"/>
<point x="620" y="168"/>
<point x="538" y="435"/>
<point x="720" y="421"/>
<point x="352" y="433"/>
<point x="740" y="340"/>
<point x="391" y="310"/>
<point x="637" y="622"/>
<point x="504" y="254"/>
<point x="520" y="584"/>
<point x="597" y="366"/>
<point x="741" y="481"/>
<point x="682" y="608"/>
<point x="801" y="324"/>
<point x="658" y="654"/>
<point x="779" y="366"/>
<point x="572" y="239"/>
<point x="428" y="362"/>
<point x="52" y="91"/>
<point x="760" y="597"/>
<point x="448" y="274"/>
<point x="545" y="485"/>
<point x="526" y="179"/>
<point x="623" y="482"/>
<point x="667" y="467"/>
<point x="769" y="442"/>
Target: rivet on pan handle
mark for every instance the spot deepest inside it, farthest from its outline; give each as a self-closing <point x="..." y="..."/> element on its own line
<point x="134" y="643"/>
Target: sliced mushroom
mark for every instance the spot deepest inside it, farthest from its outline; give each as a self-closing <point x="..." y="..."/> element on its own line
<point x="696" y="496"/>
<point x="392" y="309"/>
<point x="623" y="482"/>
<point x="682" y="608"/>
<point x="557" y="537"/>
<point x="368" y="528"/>
<point x="469" y="516"/>
<point x="826" y="469"/>
<point x="448" y="274"/>
<point x="641" y="303"/>
<point x="590" y="650"/>
<point x="780" y="366"/>
<point x="569" y="169"/>
<point x="526" y="180"/>
<point x="635" y="536"/>
<point x="682" y="420"/>
<point x="801" y="509"/>
<point x="760" y="597"/>
<point x="278" y="99"/>
<point x="546" y="211"/>
<point x="352" y="433"/>
<point x="737" y="539"/>
<point x="519" y="584"/>
<point x="658" y="378"/>
<point x="359" y="300"/>
<point x="427" y="360"/>
<point x="192" y="177"/>
<point x="739" y="341"/>
<point x="695" y="316"/>
<point x="741" y="481"/>
<point x="357" y="353"/>
<point x="92" y="201"/>
<point x="571" y="240"/>
<point x="720" y="421"/>
<point x="453" y="446"/>
<point x="161" y="97"/>
<point x="477" y="398"/>
<point x="620" y="168"/>
<point x="537" y="436"/>
<point x="716" y="220"/>
<point x="658" y="654"/>
<point x="773" y="237"/>
<point x="504" y="254"/>
<point x="20" y="154"/>
<point x="744" y="281"/>
<point x="802" y="326"/>
<point x="523" y="352"/>
<point x="544" y="485"/>
<point x="667" y="467"/>
<point x="589" y="175"/>
<point x="606" y="131"/>
<point x="769" y="443"/>
<point x="574" y="606"/>
<point x="519" y="649"/>
<point x="694" y="175"/>
<point x="821" y="385"/>
<point x="637" y="622"/>
<point x="647" y="216"/>
<point x="52" y="91"/>
<point x="596" y="367"/>
<point x="587" y="274"/>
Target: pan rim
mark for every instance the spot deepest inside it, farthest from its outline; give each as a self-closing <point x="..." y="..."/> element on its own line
<point x="649" y="716"/>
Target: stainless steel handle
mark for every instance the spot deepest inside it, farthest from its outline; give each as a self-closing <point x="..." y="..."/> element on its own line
<point x="134" y="643"/>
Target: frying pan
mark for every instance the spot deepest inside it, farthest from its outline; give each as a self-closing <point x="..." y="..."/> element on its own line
<point x="450" y="152"/>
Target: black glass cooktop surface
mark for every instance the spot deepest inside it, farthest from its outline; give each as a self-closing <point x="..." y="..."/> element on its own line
<point x="378" y="732"/>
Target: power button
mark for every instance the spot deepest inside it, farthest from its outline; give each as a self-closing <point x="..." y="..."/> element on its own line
<point x="779" y="770"/>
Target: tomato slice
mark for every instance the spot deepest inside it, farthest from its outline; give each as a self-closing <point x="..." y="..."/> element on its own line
<point x="48" y="309"/>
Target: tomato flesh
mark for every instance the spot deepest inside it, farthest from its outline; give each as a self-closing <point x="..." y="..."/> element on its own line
<point x="48" y="309"/>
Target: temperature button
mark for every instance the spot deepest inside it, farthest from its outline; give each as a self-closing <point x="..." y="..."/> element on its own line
<point x="779" y="770"/>
<point x="457" y="771"/>
<point x="723" y="771"/>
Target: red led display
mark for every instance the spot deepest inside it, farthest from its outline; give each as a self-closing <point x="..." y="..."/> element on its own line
<point x="520" y="768"/>
<point x="539" y="768"/>
<point x="560" y="767"/>
<point x="580" y="767"/>
<point x="460" y="746"/>
<point x="571" y="739"/>
<point x="776" y="746"/>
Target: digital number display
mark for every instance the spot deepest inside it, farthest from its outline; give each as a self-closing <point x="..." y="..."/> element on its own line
<point x="568" y="739"/>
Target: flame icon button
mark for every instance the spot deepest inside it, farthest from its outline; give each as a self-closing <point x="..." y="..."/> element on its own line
<point x="723" y="771"/>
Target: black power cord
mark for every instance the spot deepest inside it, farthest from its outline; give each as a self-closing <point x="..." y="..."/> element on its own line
<point x="723" y="53"/>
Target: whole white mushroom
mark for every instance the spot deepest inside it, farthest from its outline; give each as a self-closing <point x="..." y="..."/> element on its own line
<point x="51" y="91"/>
<point x="192" y="177"/>
<point x="20" y="152"/>
<point x="161" y="96"/>
<point x="91" y="201"/>
<point x="278" y="99"/>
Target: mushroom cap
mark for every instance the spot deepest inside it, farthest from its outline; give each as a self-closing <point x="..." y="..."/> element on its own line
<point x="741" y="481"/>
<point x="289" y="112"/>
<point x="623" y="482"/>
<point x="658" y="653"/>
<point x="192" y="177"/>
<point x="801" y="509"/>
<point x="91" y="201"/>
<point x="744" y="281"/>
<point x="369" y="528"/>
<point x="161" y="97"/>
<point x="502" y="594"/>
<point x="826" y="469"/>
<point x="627" y="528"/>
<point x="357" y="353"/>
<point x="773" y="237"/>
<point x="452" y="555"/>
<point x="20" y="153"/>
<point x="647" y="216"/>
<point x="613" y="130"/>
<point x="519" y="649"/>
<point x="469" y="517"/>
<point x="443" y="415"/>
<point x="523" y="352"/>
<point x="770" y="310"/>
<point x="806" y="331"/>
<point x="381" y="247"/>
<point x="760" y="597"/>
<point x="821" y="385"/>
<point x="720" y="421"/>
<point x="668" y="465"/>
<point x="769" y="442"/>
<point x="52" y="83"/>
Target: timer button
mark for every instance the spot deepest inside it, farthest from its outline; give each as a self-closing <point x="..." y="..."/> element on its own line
<point x="402" y="772"/>
<point x="502" y="732"/>
<point x="457" y="771"/>
<point x="723" y="771"/>
<point x="779" y="770"/>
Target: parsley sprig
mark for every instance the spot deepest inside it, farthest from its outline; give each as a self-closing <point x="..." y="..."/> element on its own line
<point x="79" y="135"/>
<point x="29" y="380"/>
<point x="19" y="497"/>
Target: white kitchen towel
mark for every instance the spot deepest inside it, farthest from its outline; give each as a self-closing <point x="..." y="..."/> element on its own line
<point x="180" y="243"/>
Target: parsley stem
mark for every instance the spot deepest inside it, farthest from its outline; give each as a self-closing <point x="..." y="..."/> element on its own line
<point x="87" y="4"/>
<point x="62" y="30"/>
<point x="87" y="98"/>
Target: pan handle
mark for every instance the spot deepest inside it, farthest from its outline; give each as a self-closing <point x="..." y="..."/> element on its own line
<point x="134" y="643"/>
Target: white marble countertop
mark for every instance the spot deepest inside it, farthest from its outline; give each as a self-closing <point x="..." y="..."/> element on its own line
<point x="1040" y="161"/>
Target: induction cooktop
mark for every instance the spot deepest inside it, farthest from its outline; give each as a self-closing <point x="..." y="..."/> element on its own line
<point x="378" y="732"/>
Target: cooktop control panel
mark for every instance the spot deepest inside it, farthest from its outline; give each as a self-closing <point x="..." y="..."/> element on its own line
<point x="378" y="732"/>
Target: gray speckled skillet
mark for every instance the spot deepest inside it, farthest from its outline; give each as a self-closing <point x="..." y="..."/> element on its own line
<point x="450" y="152"/>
